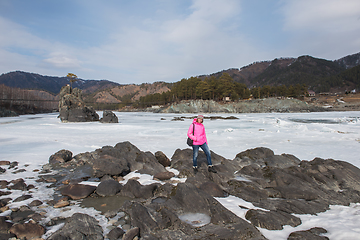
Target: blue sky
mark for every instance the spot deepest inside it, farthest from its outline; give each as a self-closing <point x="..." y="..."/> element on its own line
<point x="143" y="41"/>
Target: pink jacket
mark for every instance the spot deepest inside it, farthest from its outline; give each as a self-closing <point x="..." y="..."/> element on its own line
<point x="199" y="136"/>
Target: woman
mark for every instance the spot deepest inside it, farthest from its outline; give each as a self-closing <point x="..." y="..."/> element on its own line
<point x="197" y="133"/>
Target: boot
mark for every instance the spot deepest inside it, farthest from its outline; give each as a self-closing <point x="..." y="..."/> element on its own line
<point x="212" y="169"/>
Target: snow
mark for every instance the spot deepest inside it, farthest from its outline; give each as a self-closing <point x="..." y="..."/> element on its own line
<point x="32" y="139"/>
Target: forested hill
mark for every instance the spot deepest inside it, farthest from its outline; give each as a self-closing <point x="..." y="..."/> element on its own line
<point x="317" y="74"/>
<point x="320" y="75"/>
<point x="25" y="80"/>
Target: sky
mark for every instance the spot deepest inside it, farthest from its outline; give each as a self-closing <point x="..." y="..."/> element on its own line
<point x="144" y="41"/>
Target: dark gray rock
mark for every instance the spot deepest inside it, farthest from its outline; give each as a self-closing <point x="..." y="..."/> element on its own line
<point x="249" y="191"/>
<point x="108" y="188"/>
<point x="109" y="165"/>
<point x="256" y="153"/>
<point x="159" y="220"/>
<point x="271" y="220"/>
<point x="79" y="226"/>
<point x="4" y="225"/>
<point x="213" y="189"/>
<point x="130" y="234"/>
<point x="109" y="117"/>
<point x="21" y="216"/>
<point x="311" y="234"/>
<point x="134" y="189"/>
<point x="115" y="234"/>
<point x="164" y="175"/>
<point x="146" y="163"/>
<point x="61" y="156"/>
<point x="22" y="198"/>
<point x="162" y="159"/>
<point x="120" y="160"/>
<point x="296" y="206"/>
<point x="78" y="191"/>
<point x="18" y="184"/>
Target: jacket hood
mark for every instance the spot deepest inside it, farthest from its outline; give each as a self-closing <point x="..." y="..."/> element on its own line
<point x="195" y="121"/>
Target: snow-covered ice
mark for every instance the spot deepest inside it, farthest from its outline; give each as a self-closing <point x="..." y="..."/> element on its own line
<point x="31" y="139"/>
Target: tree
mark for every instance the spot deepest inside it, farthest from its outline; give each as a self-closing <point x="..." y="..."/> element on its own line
<point x="73" y="78"/>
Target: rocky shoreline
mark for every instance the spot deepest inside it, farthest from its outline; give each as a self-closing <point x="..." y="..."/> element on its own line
<point x="181" y="204"/>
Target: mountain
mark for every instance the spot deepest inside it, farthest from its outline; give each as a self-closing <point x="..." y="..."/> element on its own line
<point x="25" y="80"/>
<point x="127" y="93"/>
<point x="349" y="61"/>
<point x="318" y="74"/>
<point x="314" y="72"/>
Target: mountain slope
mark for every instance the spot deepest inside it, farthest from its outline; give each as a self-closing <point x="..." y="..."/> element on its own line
<point x="35" y="81"/>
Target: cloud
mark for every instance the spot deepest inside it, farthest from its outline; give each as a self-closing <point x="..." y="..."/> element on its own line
<point x="328" y="28"/>
<point x="59" y="60"/>
<point x="324" y="15"/>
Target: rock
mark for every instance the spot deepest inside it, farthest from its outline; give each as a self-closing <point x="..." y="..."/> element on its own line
<point x="108" y="188"/>
<point x="4" y="201"/>
<point x="249" y="191"/>
<point x="27" y="230"/>
<point x="2" y="170"/>
<point x="271" y="220"/>
<point x="134" y="189"/>
<point x="109" y="117"/>
<point x="61" y="204"/>
<point x="256" y="153"/>
<point x="13" y="164"/>
<point x="61" y="156"/>
<point x="311" y="234"/>
<point x="130" y="234"/>
<point x="21" y="216"/>
<point x="115" y="234"/>
<point x="250" y="106"/>
<point x="282" y="161"/>
<point x="77" y="191"/>
<point x="213" y="189"/>
<point x="3" y="184"/>
<point x="79" y="226"/>
<point x="146" y="163"/>
<point x="22" y="198"/>
<point x="162" y="159"/>
<point x="3" y="162"/>
<point x="72" y="107"/>
<point x="164" y="176"/>
<point x="18" y="184"/>
<point x="160" y="219"/>
<point x="4" y="225"/>
<point x="109" y="165"/>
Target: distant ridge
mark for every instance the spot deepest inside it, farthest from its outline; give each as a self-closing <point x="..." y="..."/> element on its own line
<point x="289" y="71"/>
<point x="25" y="80"/>
<point x="318" y="74"/>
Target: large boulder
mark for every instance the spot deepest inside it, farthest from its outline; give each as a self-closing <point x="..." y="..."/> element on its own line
<point x="271" y="220"/>
<point x="163" y="159"/>
<point x="188" y="213"/>
<point x="108" y="165"/>
<point x="120" y="160"/>
<point x="61" y="156"/>
<point x="73" y="109"/>
<point x="79" y="226"/>
<point x="109" y="117"/>
<point x="108" y="188"/>
<point x="27" y="230"/>
<point x="78" y="191"/>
